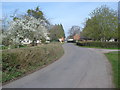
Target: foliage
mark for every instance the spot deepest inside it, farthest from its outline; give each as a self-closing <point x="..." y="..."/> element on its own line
<point x="12" y="47"/>
<point x="114" y="60"/>
<point x="100" y="44"/>
<point x="43" y="40"/>
<point x="7" y="41"/>
<point x="35" y="13"/>
<point x="17" y="62"/>
<point x="56" y="32"/>
<point x="31" y="25"/>
<point x="103" y="24"/>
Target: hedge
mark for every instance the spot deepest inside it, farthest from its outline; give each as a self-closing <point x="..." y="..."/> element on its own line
<point x="16" y="62"/>
<point x="99" y="44"/>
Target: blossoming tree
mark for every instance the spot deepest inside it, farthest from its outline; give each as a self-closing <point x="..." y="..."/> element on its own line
<point x="28" y="26"/>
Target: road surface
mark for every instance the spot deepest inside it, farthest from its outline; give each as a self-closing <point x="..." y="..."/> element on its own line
<point x="78" y="68"/>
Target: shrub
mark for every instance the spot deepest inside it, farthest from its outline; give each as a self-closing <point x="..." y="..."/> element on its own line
<point x="21" y="60"/>
<point x="99" y="44"/>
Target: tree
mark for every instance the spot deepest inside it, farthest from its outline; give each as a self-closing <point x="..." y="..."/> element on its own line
<point x="29" y="26"/>
<point x="1" y="32"/>
<point x="73" y="31"/>
<point x="103" y="24"/>
<point x="91" y="31"/>
<point x="37" y="13"/>
<point x="57" y="32"/>
<point x="4" y="23"/>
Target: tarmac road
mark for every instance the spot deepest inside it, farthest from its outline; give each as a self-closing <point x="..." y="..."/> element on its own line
<point x="77" y="68"/>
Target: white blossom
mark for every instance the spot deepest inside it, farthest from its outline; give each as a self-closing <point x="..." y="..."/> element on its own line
<point x="28" y="27"/>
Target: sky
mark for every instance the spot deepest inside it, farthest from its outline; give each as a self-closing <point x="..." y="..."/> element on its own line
<point x="65" y="13"/>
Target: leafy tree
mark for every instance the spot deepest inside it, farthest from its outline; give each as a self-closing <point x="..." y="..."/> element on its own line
<point x="30" y="26"/>
<point x="103" y="24"/>
<point x="91" y="31"/>
<point x="57" y="32"/>
<point x="37" y="13"/>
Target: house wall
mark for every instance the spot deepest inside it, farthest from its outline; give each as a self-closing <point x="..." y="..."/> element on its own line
<point x="76" y="37"/>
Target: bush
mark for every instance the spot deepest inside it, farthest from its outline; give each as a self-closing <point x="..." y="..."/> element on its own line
<point x="17" y="62"/>
<point x="4" y="47"/>
<point x="43" y="40"/>
<point x="7" y="41"/>
<point x="99" y="44"/>
<point x="21" y="46"/>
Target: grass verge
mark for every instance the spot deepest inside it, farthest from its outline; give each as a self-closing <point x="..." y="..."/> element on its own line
<point x="18" y="62"/>
<point x="113" y="58"/>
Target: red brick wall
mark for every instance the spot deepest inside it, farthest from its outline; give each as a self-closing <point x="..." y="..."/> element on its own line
<point x="76" y="37"/>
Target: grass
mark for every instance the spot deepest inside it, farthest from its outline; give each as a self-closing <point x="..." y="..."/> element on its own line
<point x="18" y="62"/>
<point x="113" y="58"/>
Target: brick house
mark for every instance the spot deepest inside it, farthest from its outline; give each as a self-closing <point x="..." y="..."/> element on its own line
<point x="76" y="37"/>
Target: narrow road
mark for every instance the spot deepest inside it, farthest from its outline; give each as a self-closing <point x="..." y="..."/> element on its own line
<point x="78" y="68"/>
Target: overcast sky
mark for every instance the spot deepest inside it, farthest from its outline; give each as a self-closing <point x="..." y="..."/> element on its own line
<point x="65" y="13"/>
